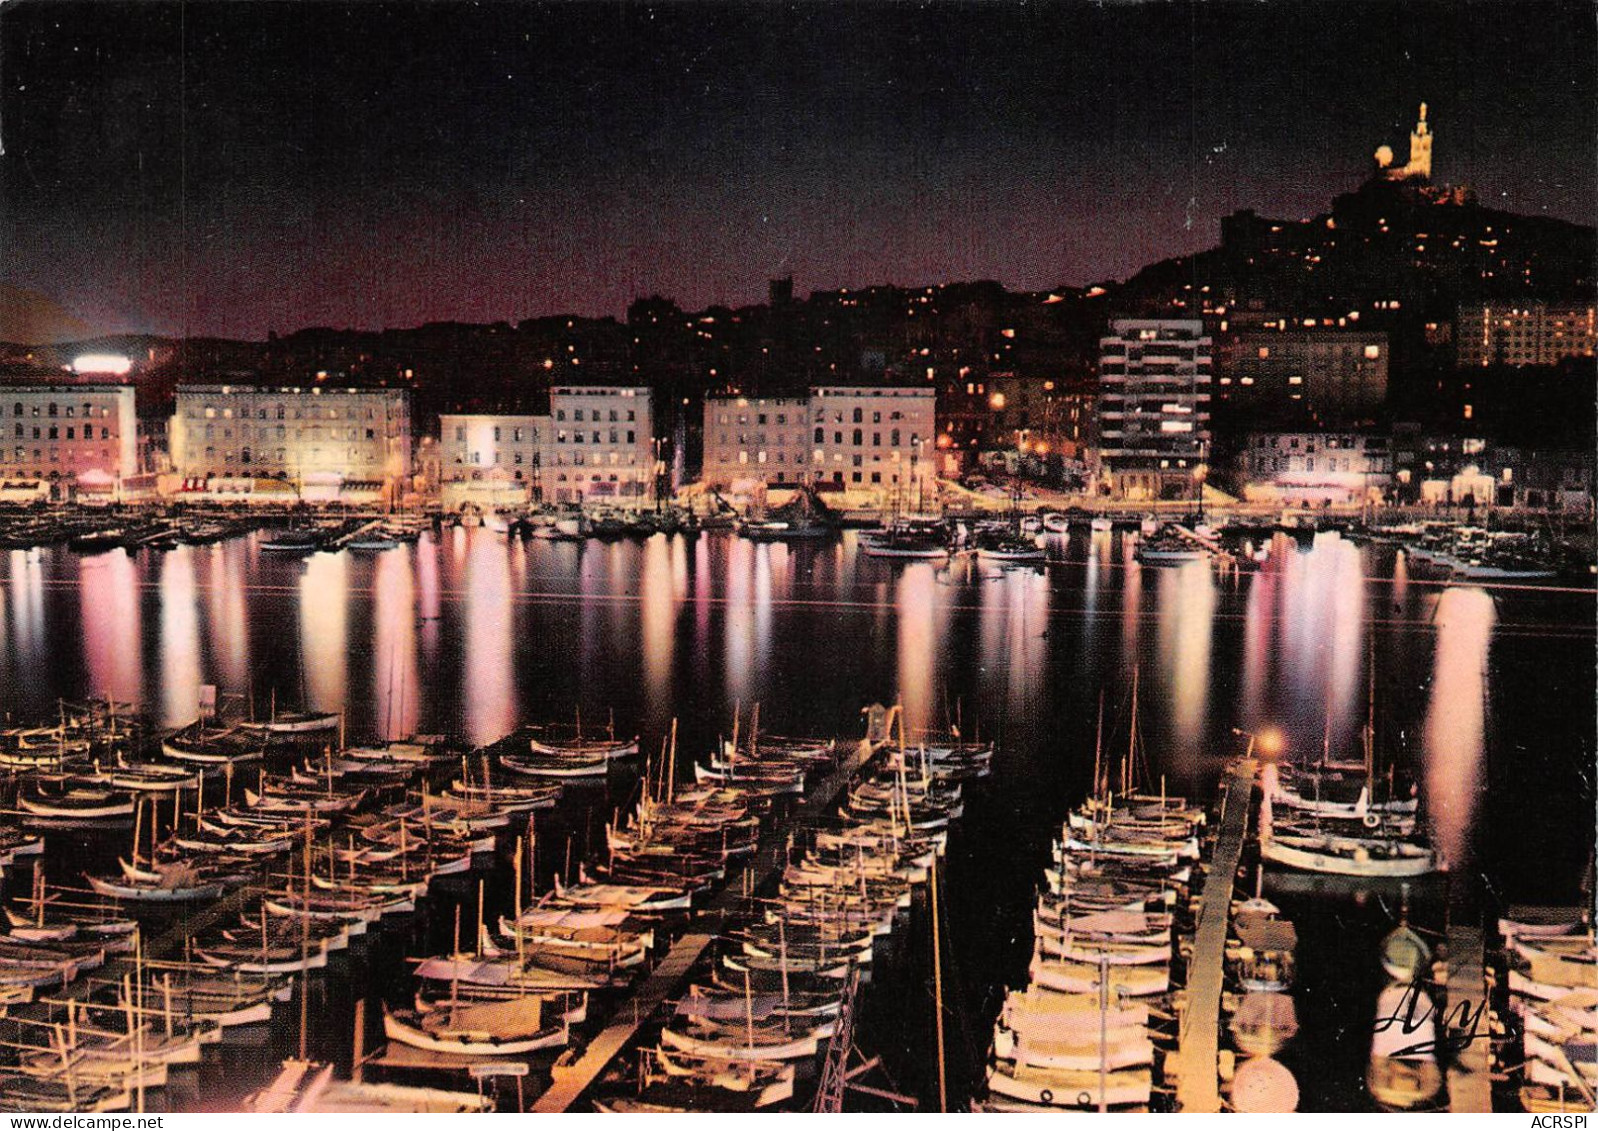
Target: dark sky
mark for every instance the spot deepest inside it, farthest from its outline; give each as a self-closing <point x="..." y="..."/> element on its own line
<point x="230" y="168"/>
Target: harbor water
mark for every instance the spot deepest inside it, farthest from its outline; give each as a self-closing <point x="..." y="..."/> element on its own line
<point x="1484" y="695"/>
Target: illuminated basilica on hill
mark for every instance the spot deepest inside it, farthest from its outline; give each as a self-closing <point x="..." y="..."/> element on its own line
<point x="1416" y="173"/>
<point x="1419" y="166"/>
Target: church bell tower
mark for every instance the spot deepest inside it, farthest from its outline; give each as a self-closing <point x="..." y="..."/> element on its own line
<point x="1420" y="149"/>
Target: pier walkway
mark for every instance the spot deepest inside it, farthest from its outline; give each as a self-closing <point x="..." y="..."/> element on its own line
<point x="1197" y="1085"/>
<point x="632" y="1014"/>
<point x="1470" y="1086"/>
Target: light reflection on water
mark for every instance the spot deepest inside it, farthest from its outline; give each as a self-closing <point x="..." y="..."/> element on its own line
<point x="738" y="620"/>
<point x="467" y="634"/>
<point x="108" y="596"/>
<point x="324" y="634"/>
<point x="489" y="689"/>
<point x="661" y="596"/>
<point x="1259" y="614"/>
<point x="27" y="610"/>
<point x="917" y="606"/>
<point x="228" y="631"/>
<point x="1456" y="718"/>
<point x="395" y="692"/>
<point x="1186" y="618"/>
<point x="180" y="639"/>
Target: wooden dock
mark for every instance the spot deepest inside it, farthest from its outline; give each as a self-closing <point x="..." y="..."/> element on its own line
<point x="1198" y="1051"/>
<point x="571" y="1081"/>
<point x="1470" y="1087"/>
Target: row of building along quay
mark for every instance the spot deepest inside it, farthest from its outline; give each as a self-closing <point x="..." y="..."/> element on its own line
<point x="1410" y="346"/>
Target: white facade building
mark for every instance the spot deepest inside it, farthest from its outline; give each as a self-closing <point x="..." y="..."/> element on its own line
<point x="491" y="460"/>
<point x="73" y="440"/>
<point x="1316" y="467"/>
<point x="1154" y="406"/>
<point x="873" y="441"/>
<point x="326" y="443"/>
<point x="751" y="442"/>
<point x="601" y="446"/>
<point x="874" y="444"/>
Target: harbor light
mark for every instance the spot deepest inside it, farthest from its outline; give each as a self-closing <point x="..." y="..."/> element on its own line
<point x="111" y="363"/>
<point x="1269" y="742"/>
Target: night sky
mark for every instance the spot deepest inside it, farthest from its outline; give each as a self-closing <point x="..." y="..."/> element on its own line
<point x="233" y="168"/>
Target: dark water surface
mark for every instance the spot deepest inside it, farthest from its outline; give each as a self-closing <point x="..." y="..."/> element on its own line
<point x="1487" y="695"/>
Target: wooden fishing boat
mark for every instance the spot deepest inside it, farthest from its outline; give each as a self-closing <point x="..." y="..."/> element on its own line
<point x="31" y="1094"/>
<point x="1085" y="977"/>
<point x="1055" y="1088"/>
<point x="1363" y="857"/>
<point x="583" y="749"/>
<point x="509" y="798"/>
<point x="635" y="899"/>
<point x="761" y="1040"/>
<point x="557" y="766"/>
<point x="508" y="1027"/>
<point x="766" y="1082"/>
<point x="252" y="959"/>
<point x="301" y="1086"/>
<point x="75" y="807"/>
<point x="1012" y="549"/>
<point x="295" y="723"/>
<point x="907" y="542"/>
<point x="15" y="844"/>
<point x="304" y="802"/>
<point x="205" y="745"/>
<point x="346" y="905"/>
<point x="177" y="883"/>
<point x="1263" y="957"/>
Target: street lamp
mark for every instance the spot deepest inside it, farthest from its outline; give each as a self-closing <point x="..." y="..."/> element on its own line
<point x="1269" y="741"/>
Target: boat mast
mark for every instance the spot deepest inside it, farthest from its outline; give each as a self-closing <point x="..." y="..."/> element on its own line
<point x="1098" y="747"/>
<point x="1131" y="738"/>
<point x="1370" y="726"/>
<point x="937" y="989"/>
